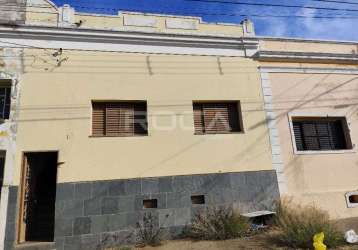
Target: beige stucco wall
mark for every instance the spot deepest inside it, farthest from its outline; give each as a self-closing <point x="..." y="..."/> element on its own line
<point x="321" y="179"/>
<point x="309" y="46"/>
<point x="55" y="114"/>
<point x="45" y="13"/>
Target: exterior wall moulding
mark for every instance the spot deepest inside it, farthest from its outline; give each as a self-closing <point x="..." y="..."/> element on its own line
<point x="307" y="57"/>
<point x="129" y="41"/>
<point x="140" y="21"/>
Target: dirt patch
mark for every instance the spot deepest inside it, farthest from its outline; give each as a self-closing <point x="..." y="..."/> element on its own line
<point x="260" y="241"/>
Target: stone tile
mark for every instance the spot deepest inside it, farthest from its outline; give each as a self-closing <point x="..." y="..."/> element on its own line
<point x="220" y="196"/>
<point x="116" y="188"/>
<point x="83" y="190"/>
<point x="90" y="242"/>
<point x="262" y="187"/>
<point x="221" y="181"/>
<point x="165" y="184"/>
<point x="60" y="243"/>
<point x="72" y="243"/>
<point x="132" y="219"/>
<point x="10" y="231"/>
<point x="236" y="195"/>
<point x="65" y="191"/>
<point x="132" y="187"/>
<point x="150" y="186"/>
<point x="92" y="206"/>
<point x="253" y="178"/>
<point x="182" y="216"/>
<point x="11" y="212"/>
<point x="115" y="239"/>
<point x="82" y="226"/>
<point x="110" y="205"/>
<point x="166" y="217"/>
<point x="126" y="204"/>
<point x="8" y="245"/>
<point x="63" y="227"/>
<point x="69" y="209"/>
<point x="13" y="191"/>
<point x="178" y="200"/>
<point x="100" y="224"/>
<point x="238" y="180"/>
<point x="241" y="207"/>
<point x="117" y="222"/>
<point x="176" y="232"/>
<point x="108" y="223"/>
<point x="183" y="183"/>
<point x="100" y="189"/>
<point x="203" y="183"/>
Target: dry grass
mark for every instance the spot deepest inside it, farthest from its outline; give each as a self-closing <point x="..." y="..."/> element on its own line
<point x="298" y="225"/>
<point x="218" y="224"/>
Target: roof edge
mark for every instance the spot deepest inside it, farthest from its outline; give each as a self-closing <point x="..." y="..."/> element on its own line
<point x="298" y="39"/>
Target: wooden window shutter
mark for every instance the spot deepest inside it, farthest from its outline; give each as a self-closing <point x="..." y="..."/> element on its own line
<point x="216" y="118"/>
<point x="320" y="134"/>
<point x="298" y="135"/>
<point x="338" y="138"/>
<point x="99" y="119"/>
<point x="198" y="118"/>
<point x="125" y="120"/>
<point x="119" y="119"/>
<point x="213" y="118"/>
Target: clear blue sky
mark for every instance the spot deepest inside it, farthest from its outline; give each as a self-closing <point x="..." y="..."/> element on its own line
<point x="333" y="28"/>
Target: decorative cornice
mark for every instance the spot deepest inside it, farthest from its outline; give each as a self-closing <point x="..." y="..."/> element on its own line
<point x="150" y="42"/>
<point x="305" y="40"/>
<point x="283" y="56"/>
<point x="309" y="70"/>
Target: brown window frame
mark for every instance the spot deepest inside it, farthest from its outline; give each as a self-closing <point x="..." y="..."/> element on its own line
<point x="205" y="112"/>
<point x="119" y="119"/>
<point x="321" y="134"/>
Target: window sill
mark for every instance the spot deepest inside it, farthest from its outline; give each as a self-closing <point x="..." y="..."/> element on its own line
<point x="231" y="133"/>
<point x="117" y="136"/>
<point x="318" y="152"/>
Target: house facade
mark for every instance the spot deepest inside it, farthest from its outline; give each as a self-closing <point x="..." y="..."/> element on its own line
<point x="107" y="118"/>
<point x="114" y="117"/>
<point x="311" y="91"/>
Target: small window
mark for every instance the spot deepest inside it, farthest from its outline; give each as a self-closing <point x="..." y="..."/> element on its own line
<point x="217" y="117"/>
<point x="153" y="203"/>
<point x="119" y="118"/>
<point x="319" y="134"/>
<point x="5" y="99"/>
<point x="352" y="199"/>
<point x="197" y="199"/>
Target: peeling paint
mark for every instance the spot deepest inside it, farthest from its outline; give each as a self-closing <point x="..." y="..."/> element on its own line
<point x="12" y="69"/>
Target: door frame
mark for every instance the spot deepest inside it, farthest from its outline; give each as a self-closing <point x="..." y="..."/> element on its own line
<point x="21" y="232"/>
